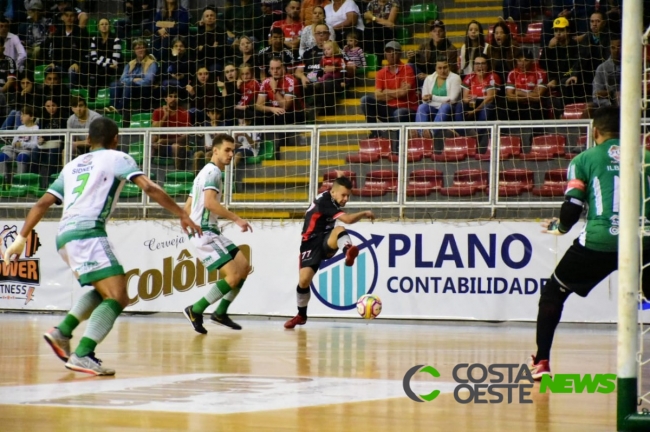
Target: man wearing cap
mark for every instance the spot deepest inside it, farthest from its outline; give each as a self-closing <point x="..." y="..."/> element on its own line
<point x="427" y="55"/>
<point x="36" y="32"/>
<point x="395" y="98"/>
<point x="526" y="89"/>
<point x="557" y="60"/>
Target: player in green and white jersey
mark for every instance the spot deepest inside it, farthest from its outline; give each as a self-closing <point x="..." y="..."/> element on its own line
<point x="89" y="187"/>
<point x="215" y="250"/>
<point x="593" y="182"/>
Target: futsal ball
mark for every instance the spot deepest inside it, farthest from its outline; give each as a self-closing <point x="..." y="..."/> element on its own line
<point x="369" y="306"/>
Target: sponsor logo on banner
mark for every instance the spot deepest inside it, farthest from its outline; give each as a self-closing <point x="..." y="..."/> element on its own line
<point x="19" y="279"/>
<point x="339" y="286"/>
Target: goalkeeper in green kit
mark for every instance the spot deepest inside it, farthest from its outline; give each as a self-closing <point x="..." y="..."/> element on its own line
<point x="593" y="182"/>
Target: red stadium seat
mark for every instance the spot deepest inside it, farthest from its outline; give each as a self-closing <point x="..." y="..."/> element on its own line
<point x="545" y="147"/>
<point x="533" y="34"/>
<point x="423" y="182"/>
<point x="456" y="149"/>
<point x="330" y="176"/>
<point x="581" y="144"/>
<point x="509" y="146"/>
<point x="378" y="183"/>
<point x="467" y="182"/>
<point x="555" y="182"/>
<point x="516" y="181"/>
<point x="417" y="149"/>
<point x="646" y="139"/>
<point x="370" y="150"/>
<point x="574" y="111"/>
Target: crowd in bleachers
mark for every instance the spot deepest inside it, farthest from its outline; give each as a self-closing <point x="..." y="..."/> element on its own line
<point x="265" y="63"/>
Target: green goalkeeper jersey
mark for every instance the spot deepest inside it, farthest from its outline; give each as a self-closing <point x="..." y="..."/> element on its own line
<point x="594" y="178"/>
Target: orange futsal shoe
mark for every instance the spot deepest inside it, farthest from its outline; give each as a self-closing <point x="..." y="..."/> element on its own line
<point x="297" y="320"/>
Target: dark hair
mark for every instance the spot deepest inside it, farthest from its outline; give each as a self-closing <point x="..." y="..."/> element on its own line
<point x="481" y="42"/>
<point x="277" y="30"/>
<point x="608" y="121"/>
<point x="352" y="33"/>
<point x="220" y="138"/>
<point x="171" y="91"/>
<point x="506" y="31"/>
<point x="27" y="109"/>
<point x="212" y="8"/>
<point x="2" y="40"/>
<point x="102" y="131"/>
<point x="76" y="100"/>
<point x="343" y="181"/>
<point x="4" y="20"/>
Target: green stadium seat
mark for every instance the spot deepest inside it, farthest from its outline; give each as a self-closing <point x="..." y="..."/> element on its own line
<point x="23" y="185"/>
<point x="39" y="74"/>
<point x="267" y="152"/>
<point x="117" y="117"/>
<point x="102" y="100"/>
<point x="178" y="182"/>
<point x="130" y="190"/>
<point x="194" y="30"/>
<point x="127" y="52"/>
<point x="371" y="65"/>
<point x="136" y="151"/>
<point x="402" y="35"/>
<point x="420" y="13"/>
<point x="82" y="93"/>
<point x="91" y="27"/>
<point x="142" y="120"/>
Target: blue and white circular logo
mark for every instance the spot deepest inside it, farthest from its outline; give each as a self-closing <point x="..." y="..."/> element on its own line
<point x="338" y="286"/>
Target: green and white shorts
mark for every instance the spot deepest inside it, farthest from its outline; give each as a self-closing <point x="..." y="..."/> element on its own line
<point x="214" y="250"/>
<point x="91" y="259"/>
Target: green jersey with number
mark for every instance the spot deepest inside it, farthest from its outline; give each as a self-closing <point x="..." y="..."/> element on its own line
<point x="594" y="178"/>
<point x="89" y="187"/>
<point x="209" y="178"/>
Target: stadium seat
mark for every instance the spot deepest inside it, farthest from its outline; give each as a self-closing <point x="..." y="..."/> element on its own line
<point x="416" y="150"/>
<point x="116" y="117"/>
<point x="402" y="35"/>
<point x="178" y="182"/>
<point x="371" y="65"/>
<point x="581" y="145"/>
<point x="142" y="120"/>
<point x="456" y="149"/>
<point x="554" y="185"/>
<point x="23" y="185"/>
<point x="421" y="14"/>
<point x="39" y="74"/>
<point x="574" y="111"/>
<point x="533" y="34"/>
<point x="516" y="181"/>
<point x="509" y="146"/>
<point x="423" y="182"/>
<point x="130" y="190"/>
<point x="102" y="100"/>
<point x="370" y="150"/>
<point x="82" y="93"/>
<point x="266" y="152"/>
<point x="330" y="176"/>
<point x="466" y="183"/>
<point x="378" y="183"/>
<point x="91" y="27"/>
<point x="136" y="151"/>
<point x="545" y="147"/>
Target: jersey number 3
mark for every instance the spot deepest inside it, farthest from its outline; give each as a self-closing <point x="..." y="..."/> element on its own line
<point x="78" y="190"/>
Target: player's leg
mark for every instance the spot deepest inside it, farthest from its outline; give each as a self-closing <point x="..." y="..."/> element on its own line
<point x="340" y="239"/>
<point x="303" y="294"/>
<point x="240" y="266"/>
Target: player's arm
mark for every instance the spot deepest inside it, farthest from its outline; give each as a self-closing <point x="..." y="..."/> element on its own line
<point x="156" y="193"/>
<point x="570" y="211"/>
<point x="188" y="205"/>
<point x="33" y="218"/>
<point x="215" y="207"/>
<point x="355" y="217"/>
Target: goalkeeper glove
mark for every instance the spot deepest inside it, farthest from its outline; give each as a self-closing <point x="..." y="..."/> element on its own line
<point x="15" y="249"/>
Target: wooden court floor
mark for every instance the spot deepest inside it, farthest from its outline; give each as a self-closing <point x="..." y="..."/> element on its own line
<point x="325" y="376"/>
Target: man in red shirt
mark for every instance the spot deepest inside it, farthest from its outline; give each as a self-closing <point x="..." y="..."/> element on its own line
<point x="170" y="115"/>
<point x="526" y="89"/>
<point x="395" y="98"/>
<point x="280" y="99"/>
<point x="291" y="27"/>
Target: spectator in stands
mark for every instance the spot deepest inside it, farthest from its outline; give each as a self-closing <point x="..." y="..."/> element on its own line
<point x="173" y="145"/>
<point x="395" y="98"/>
<point x="607" y="80"/>
<point x="279" y="101"/>
<point x="230" y="96"/>
<point x="502" y="51"/>
<point x="52" y="88"/>
<point x="211" y="45"/>
<point x="526" y="89"/>
<point x="173" y="20"/>
<point x="247" y="144"/>
<point x="479" y="97"/>
<point x="69" y="46"/>
<point x="291" y="27"/>
<point x="204" y="155"/>
<point x="353" y="51"/>
<point x="15" y="10"/>
<point x="308" y="36"/>
<point x="379" y="21"/>
<point x="333" y="65"/>
<point x="21" y="147"/>
<point x="36" y="32"/>
<point x="13" y="47"/>
<point x="62" y="6"/>
<point x="137" y="78"/>
<point x="248" y="89"/>
<point x="514" y="9"/>
<point x="81" y="118"/>
<point x="8" y="74"/>
<point x="244" y="20"/>
<point x="275" y="49"/>
<point x="201" y="94"/>
<point x="269" y="15"/>
<point x="342" y="16"/>
<point x="557" y="60"/>
<point x="47" y="158"/>
<point x="25" y="97"/>
<point x="247" y="55"/>
<point x="473" y="47"/>
<point x="177" y="69"/>
<point x="140" y="14"/>
<point x="307" y="11"/>
<point x="426" y="57"/>
<point x="105" y="59"/>
<point x="440" y="93"/>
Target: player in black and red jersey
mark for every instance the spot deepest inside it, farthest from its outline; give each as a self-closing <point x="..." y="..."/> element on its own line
<point x="321" y="239"/>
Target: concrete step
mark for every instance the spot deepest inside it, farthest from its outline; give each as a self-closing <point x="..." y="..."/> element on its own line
<point x="302" y="162"/>
<point x="349" y="118"/>
<point x="271" y="196"/>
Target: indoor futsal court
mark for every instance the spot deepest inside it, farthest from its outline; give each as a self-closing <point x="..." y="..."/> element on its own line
<point x="325" y="376"/>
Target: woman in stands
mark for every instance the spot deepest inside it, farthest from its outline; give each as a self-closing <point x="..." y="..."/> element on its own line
<point x="229" y="93"/>
<point x="473" y="47"/>
<point x="26" y="97"/>
<point x="502" y="51"/>
<point x="343" y="15"/>
<point x="440" y="92"/>
<point x="105" y="58"/>
<point x="307" y="39"/>
<point x="172" y="21"/>
<point x="202" y="92"/>
<point x="178" y="68"/>
<point x="247" y="55"/>
<point x="379" y="19"/>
